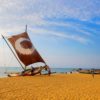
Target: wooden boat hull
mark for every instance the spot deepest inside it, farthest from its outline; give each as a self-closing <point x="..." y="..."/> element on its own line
<point x="13" y="74"/>
<point x="18" y="74"/>
<point x="89" y="71"/>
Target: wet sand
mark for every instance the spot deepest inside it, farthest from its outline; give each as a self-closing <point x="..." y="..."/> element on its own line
<point x="54" y="87"/>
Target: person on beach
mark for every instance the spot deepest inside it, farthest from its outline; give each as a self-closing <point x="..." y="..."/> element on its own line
<point x="32" y="70"/>
<point x="71" y="72"/>
<point x="92" y="72"/>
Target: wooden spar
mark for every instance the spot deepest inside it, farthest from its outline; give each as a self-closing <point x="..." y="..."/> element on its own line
<point x="12" y="51"/>
<point x="26" y="28"/>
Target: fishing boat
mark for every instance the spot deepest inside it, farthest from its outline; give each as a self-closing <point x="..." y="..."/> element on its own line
<point x="26" y="54"/>
<point x="89" y="71"/>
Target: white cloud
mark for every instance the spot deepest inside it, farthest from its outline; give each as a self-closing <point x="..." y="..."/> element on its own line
<point x="34" y="11"/>
<point x="15" y="14"/>
<point x="74" y="26"/>
<point x="60" y="35"/>
<point x="83" y="10"/>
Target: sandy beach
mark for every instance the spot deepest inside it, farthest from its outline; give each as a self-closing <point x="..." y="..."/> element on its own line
<point x="54" y="87"/>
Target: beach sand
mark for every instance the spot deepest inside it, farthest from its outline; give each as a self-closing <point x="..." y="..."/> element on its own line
<point x="54" y="87"/>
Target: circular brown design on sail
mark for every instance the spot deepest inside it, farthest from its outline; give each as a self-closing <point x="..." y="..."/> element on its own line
<point x="24" y="46"/>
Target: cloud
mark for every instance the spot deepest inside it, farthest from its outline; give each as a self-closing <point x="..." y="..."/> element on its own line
<point x="82" y="10"/>
<point x="74" y="26"/>
<point x="60" y="35"/>
<point x="16" y="14"/>
<point x="16" y="10"/>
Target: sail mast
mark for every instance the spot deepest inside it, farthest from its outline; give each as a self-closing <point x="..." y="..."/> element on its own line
<point x="26" y="28"/>
<point x="12" y="52"/>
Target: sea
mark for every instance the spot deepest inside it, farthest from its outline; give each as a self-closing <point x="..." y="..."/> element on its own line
<point x="5" y="70"/>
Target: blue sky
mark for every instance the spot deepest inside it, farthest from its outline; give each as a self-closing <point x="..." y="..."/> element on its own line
<point x="65" y="32"/>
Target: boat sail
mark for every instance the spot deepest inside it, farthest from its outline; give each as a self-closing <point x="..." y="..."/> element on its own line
<point x="25" y="51"/>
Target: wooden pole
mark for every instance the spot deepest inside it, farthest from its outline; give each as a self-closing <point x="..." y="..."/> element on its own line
<point x="12" y="52"/>
<point x="26" y="28"/>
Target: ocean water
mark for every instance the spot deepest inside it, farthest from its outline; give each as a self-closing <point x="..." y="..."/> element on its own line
<point x="5" y="70"/>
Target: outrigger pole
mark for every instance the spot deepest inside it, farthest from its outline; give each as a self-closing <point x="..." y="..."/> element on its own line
<point x="12" y="51"/>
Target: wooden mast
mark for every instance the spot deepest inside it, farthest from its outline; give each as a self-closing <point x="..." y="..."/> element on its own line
<point x="12" y="51"/>
<point x="26" y="28"/>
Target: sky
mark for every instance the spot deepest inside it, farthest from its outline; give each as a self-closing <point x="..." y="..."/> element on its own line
<point x="65" y="32"/>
